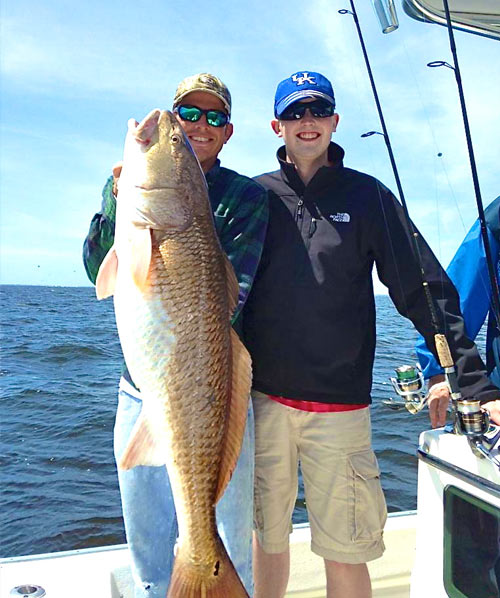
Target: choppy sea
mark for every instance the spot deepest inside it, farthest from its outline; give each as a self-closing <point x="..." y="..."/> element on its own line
<point x="59" y="371"/>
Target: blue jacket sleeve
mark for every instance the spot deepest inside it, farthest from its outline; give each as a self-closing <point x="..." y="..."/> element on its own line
<point x="468" y="271"/>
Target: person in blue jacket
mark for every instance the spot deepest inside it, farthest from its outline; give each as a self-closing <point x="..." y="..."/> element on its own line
<point x="468" y="271"/>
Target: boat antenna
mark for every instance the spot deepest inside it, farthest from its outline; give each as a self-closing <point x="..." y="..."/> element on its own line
<point x="442" y="346"/>
<point x="495" y="296"/>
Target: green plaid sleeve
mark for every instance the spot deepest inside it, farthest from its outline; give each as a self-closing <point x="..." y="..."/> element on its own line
<point x="241" y="222"/>
<point x="101" y="233"/>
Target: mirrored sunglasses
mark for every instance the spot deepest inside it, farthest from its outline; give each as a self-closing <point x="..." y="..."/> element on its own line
<point x="319" y="109"/>
<point x="215" y="118"/>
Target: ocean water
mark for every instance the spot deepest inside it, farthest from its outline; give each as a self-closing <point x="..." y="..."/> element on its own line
<point x="59" y="371"/>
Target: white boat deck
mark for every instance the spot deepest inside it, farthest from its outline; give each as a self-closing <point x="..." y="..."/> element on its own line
<point x="105" y="573"/>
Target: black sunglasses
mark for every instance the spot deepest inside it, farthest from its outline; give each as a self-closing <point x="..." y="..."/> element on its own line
<point x="319" y="109"/>
<point x="215" y="118"/>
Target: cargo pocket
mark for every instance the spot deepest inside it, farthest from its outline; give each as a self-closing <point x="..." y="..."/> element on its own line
<point x="368" y="508"/>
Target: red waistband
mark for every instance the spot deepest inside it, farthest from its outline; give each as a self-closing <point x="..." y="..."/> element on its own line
<point x="316" y="407"/>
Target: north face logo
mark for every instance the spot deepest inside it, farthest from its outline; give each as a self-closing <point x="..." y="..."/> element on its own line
<point x="305" y="78"/>
<point x="340" y="217"/>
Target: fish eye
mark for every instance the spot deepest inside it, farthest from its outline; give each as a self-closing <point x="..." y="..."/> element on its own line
<point x="175" y="138"/>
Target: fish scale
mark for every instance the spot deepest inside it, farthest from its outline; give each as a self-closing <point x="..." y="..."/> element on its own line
<point x="193" y="321"/>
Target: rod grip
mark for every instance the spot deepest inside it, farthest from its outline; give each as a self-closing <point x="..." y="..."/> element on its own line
<point x="443" y="351"/>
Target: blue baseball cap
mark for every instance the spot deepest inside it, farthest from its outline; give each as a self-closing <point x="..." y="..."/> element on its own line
<point x="298" y="86"/>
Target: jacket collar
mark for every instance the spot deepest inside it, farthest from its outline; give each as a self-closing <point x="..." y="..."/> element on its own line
<point x="322" y="177"/>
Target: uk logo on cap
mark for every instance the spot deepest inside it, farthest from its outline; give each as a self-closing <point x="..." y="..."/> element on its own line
<point x="304" y="78"/>
<point x="301" y="85"/>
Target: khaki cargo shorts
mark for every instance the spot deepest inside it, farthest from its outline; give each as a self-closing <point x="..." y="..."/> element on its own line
<point x="344" y="498"/>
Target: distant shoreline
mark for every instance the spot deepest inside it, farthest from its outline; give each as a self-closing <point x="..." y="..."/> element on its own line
<point x="54" y="286"/>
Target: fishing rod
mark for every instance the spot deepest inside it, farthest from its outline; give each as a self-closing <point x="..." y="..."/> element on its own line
<point x="495" y="296"/>
<point x="469" y="419"/>
<point x="413" y="233"/>
<point x="441" y="342"/>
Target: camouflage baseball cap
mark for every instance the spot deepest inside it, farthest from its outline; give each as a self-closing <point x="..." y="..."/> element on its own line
<point x="203" y="82"/>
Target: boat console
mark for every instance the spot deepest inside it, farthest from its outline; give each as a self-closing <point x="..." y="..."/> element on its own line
<point x="458" y="499"/>
<point x="458" y="518"/>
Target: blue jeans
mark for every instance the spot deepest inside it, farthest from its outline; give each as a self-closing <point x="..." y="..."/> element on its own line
<point x="149" y="511"/>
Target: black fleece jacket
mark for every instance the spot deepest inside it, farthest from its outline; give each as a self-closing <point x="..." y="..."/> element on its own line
<point x="309" y="322"/>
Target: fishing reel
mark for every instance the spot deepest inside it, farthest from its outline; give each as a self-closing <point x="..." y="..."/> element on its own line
<point x="470" y="419"/>
<point x="409" y="386"/>
<point x="474" y="423"/>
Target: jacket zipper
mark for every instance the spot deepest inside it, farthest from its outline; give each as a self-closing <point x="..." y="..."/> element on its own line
<point x="300" y="209"/>
<point x="312" y="227"/>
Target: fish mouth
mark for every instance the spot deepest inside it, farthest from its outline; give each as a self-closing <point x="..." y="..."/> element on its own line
<point x="155" y="188"/>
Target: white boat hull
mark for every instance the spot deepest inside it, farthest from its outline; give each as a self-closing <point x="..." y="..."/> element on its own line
<point x="414" y="542"/>
<point x="105" y="572"/>
<point x="446" y="461"/>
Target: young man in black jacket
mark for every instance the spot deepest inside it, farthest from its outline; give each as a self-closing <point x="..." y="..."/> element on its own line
<point x="309" y="325"/>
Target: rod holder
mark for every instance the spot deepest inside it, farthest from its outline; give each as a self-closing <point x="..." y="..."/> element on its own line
<point x="27" y="591"/>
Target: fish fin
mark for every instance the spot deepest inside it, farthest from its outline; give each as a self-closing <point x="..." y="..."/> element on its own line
<point x="140" y="255"/>
<point x="232" y="285"/>
<point x="238" y="409"/>
<point x="142" y="449"/>
<point x="190" y="580"/>
<point x="106" y="277"/>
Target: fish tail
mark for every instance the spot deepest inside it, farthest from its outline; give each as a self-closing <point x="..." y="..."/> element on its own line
<point x="193" y="581"/>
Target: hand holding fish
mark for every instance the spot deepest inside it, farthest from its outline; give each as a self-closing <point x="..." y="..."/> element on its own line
<point x="116" y="170"/>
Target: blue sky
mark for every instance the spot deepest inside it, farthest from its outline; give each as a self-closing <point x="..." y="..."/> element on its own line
<point x="73" y="73"/>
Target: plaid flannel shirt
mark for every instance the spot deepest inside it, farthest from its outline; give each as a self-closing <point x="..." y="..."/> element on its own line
<point x="240" y="210"/>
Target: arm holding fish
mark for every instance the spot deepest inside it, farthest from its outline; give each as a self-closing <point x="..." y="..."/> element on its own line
<point x="241" y="226"/>
<point x="101" y="233"/>
<point x="116" y="170"/>
<point x="398" y="270"/>
<point x="468" y="271"/>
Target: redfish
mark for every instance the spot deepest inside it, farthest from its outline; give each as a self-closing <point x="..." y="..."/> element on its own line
<point x="174" y="292"/>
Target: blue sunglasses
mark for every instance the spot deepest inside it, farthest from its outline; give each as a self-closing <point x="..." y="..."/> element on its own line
<point x="215" y="118"/>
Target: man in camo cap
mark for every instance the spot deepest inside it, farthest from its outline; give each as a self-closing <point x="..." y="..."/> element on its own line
<point x="204" y="82"/>
<point x="198" y="96"/>
<point x="202" y="104"/>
